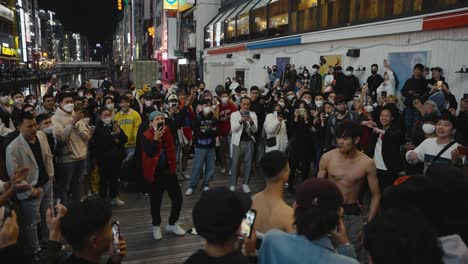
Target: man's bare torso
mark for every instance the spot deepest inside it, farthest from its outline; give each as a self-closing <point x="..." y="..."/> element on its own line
<point x="347" y="174"/>
<point x="272" y="213"/>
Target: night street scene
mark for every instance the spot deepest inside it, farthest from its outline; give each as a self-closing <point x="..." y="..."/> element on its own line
<point x="233" y="131"/>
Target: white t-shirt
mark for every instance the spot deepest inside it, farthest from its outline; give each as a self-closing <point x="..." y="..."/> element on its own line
<point x="429" y="149"/>
<point x="378" y="157"/>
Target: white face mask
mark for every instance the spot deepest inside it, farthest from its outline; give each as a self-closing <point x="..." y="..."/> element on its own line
<point x="107" y="121"/>
<point x="349" y="73"/>
<point x="149" y="103"/>
<point x="69" y="108"/>
<point x="369" y="108"/>
<point x="207" y="110"/>
<point x="281" y="103"/>
<point x="306" y="75"/>
<point x="308" y="101"/>
<point x="314" y="70"/>
<point x="225" y="100"/>
<point x="48" y="130"/>
<point x="290" y="97"/>
<point x="319" y="103"/>
<point x="428" y="128"/>
<point x="80" y="94"/>
<point x="33" y="101"/>
<point x="110" y="106"/>
<point x="54" y="93"/>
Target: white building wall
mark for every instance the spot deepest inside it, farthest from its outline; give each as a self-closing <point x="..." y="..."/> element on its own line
<point x="447" y="49"/>
<point x="203" y="13"/>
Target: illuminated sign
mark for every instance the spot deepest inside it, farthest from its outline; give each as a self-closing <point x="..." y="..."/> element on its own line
<point x="9" y="52"/>
<point x="179" y="5"/>
<point x="171" y="4"/>
<point x="119" y="5"/>
<point x="7" y="13"/>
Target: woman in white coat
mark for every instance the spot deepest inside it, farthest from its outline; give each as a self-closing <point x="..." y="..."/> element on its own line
<point x="275" y="130"/>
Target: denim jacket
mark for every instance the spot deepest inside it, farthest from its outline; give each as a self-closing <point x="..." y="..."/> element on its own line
<point x="279" y="247"/>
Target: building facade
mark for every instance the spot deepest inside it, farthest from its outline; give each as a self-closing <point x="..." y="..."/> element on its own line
<point x="247" y="37"/>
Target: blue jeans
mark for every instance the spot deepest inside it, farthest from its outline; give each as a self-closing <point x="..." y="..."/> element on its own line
<point x="203" y="156"/>
<point x="70" y="178"/>
<point x="411" y="116"/>
<point x="33" y="211"/>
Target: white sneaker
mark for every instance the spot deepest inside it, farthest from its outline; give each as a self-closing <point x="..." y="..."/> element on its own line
<point x="245" y="188"/>
<point x="157" y="233"/>
<point x="189" y="192"/>
<point x="206" y="188"/>
<point x="187" y="176"/>
<point x="175" y="229"/>
<point x="117" y="202"/>
<point x="232" y="188"/>
<point x="223" y="170"/>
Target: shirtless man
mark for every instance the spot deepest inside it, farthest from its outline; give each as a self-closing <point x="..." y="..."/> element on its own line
<point x="348" y="168"/>
<point x="272" y="211"/>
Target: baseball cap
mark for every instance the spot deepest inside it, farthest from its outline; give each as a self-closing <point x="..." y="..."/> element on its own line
<point x="173" y="97"/>
<point x="437" y="68"/>
<point x="220" y="210"/>
<point x="350" y="68"/>
<point x="158" y="81"/>
<point x="319" y="193"/>
<point x="155" y="114"/>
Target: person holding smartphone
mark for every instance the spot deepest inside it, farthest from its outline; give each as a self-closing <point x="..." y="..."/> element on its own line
<point x="244" y="125"/>
<point x="110" y="152"/>
<point x="218" y="217"/>
<point x="159" y="170"/>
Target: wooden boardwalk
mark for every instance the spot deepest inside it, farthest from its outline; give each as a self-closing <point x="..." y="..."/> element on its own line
<point x="135" y="221"/>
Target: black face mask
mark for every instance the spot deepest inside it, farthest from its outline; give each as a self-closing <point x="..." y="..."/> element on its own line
<point x="374" y="72"/>
<point x="341" y="111"/>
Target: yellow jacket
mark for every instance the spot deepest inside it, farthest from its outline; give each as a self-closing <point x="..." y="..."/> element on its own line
<point x="129" y="123"/>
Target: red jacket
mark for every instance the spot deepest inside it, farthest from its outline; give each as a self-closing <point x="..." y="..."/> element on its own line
<point x="150" y="164"/>
<point x="224" y="123"/>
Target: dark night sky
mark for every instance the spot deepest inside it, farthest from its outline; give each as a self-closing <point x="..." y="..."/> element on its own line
<point x="94" y="18"/>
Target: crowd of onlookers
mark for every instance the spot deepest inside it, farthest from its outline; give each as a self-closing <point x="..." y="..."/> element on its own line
<point x="356" y="141"/>
<point x="18" y="73"/>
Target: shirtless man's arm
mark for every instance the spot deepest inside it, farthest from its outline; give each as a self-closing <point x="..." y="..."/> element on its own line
<point x="374" y="188"/>
<point x="323" y="166"/>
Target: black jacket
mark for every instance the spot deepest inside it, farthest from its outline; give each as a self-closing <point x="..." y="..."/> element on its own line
<point x="316" y="83"/>
<point x="462" y="128"/>
<point x="107" y="149"/>
<point x="260" y="110"/>
<point x="391" y="142"/>
<point x="351" y="85"/>
<point x="205" y="130"/>
<point x="373" y="82"/>
<point x="419" y="88"/>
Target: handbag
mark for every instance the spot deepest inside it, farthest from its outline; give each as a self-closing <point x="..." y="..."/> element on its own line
<point x="438" y="155"/>
<point x="271" y="142"/>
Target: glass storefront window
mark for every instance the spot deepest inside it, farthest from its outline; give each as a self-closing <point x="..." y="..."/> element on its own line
<point x="209" y="32"/>
<point x="230" y="24"/>
<point x="304" y="15"/>
<point x="243" y="30"/>
<point x="278" y="17"/>
<point x="219" y="29"/>
<point x="258" y="18"/>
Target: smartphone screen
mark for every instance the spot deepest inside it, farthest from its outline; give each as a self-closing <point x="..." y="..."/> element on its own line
<point x="248" y="222"/>
<point x="160" y="125"/>
<point x="439" y="84"/>
<point x="116" y="237"/>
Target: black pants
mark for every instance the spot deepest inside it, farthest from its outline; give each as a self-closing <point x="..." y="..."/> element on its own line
<point x="165" y="181"/>
<point x="109" y="179"/>
<point x="303" y="166"/>
<point x="386" y="179"/>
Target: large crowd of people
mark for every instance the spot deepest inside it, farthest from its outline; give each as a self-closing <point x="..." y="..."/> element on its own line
<point x="377" y="177"/>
